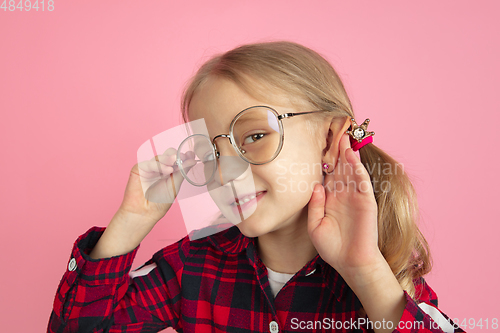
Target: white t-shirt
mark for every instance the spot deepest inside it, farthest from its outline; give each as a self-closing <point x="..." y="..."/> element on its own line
<point x="277" y="280"/>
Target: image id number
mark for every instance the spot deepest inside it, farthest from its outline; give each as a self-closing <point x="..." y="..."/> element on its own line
<point x="27" y="5"/>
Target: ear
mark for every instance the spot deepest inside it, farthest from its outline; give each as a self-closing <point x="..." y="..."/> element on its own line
<point x="337" y="128"/>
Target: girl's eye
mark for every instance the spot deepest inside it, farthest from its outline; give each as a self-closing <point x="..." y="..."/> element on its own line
<point x="253" y="138"/>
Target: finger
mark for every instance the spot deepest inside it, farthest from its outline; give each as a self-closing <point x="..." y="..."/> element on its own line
<point x="164" y="188"/>
<point x="170" y="152"/>
<point x="151" y="166"/>
<point x="167" y="158"/>
<point x="158" y="163"/>
<point x="360" y="174"/>
<point x="190" y="155"/>
<point x="316" y="208"/>
<point x="159" y="170"/>
<point x="177" y="175"/>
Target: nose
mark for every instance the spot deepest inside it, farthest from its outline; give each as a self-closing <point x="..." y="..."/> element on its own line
<point x="229" y="164"/>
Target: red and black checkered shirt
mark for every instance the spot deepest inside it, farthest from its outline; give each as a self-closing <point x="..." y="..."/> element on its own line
<point x="214" y="284"/>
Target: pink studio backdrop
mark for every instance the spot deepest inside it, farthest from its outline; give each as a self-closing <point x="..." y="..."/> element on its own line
<point x="83" y="86"/>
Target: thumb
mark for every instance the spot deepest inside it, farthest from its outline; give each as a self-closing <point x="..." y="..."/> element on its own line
<point x="316" y="208"/>
<point x="177" y="176"/>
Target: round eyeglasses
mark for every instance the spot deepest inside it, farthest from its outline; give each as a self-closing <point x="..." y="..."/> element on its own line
<point x="255" y="133"/>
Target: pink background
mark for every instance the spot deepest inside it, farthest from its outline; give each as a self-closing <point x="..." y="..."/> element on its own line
<point x="84" y="86"/>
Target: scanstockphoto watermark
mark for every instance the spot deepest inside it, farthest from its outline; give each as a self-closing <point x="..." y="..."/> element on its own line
<point x="292" y="186"/>
<point x="288" y="183"/>
<point x="354" y="324"/>
<point x="304" y="168"/>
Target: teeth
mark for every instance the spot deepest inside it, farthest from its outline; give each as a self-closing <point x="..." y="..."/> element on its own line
<point x="245" y="200"/>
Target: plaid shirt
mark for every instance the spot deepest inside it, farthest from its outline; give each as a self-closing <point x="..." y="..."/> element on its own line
<point x="213" y="284"/>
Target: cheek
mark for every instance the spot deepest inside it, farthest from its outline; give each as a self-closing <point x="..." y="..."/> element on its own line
<point x="296" y="169"/>
<point x="294" y="178"/>
<point x="300" y="159"/>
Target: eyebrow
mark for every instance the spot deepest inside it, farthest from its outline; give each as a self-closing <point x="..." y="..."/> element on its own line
<point x="249" y="119"/>
<point x="241" y="121"/>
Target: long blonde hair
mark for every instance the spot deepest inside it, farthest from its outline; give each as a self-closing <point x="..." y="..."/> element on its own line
<point x="305" y="76"/>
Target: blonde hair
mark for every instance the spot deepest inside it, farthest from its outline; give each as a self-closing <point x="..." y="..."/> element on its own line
<point x="305" y="76"/>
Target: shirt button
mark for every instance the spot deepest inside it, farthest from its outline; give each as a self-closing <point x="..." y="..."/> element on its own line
<point x="273" y="327"/>
<point x="72" y="265"/>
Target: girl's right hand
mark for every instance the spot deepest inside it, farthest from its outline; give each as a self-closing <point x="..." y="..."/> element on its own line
<point x="151" y="189"/>
<point x="154" y="184"/>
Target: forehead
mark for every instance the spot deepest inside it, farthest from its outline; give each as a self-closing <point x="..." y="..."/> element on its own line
<point x="219" y="100"/>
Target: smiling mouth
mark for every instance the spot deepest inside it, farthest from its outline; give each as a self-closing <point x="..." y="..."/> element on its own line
<point x="244" y="200"/>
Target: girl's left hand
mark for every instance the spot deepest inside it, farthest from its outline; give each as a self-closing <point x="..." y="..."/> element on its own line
<point x="343" y="228"/>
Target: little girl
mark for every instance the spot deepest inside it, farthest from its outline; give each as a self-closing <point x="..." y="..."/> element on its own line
<point x="343" y="254"/>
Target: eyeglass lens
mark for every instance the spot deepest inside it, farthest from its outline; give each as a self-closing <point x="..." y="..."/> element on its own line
<point x="257" y="134"/>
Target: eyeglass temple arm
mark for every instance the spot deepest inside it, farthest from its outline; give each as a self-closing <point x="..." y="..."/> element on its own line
<point x="291" y="114"/>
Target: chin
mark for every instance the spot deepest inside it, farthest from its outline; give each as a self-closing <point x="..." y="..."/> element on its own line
<point x="251" y="229"/>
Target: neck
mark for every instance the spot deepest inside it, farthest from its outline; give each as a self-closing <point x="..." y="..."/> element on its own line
<point x="289" y="248"/>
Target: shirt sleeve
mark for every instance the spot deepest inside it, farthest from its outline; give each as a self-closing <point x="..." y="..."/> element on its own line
<point x="423" y="315"/>
<point x="101" y="295"/>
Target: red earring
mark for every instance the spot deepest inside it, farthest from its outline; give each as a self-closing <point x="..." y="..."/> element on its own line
<point x="325" y="168"/>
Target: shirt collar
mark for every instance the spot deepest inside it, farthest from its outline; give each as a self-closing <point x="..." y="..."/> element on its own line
<point x="232" y="241"/>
